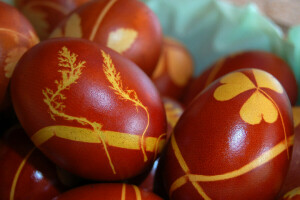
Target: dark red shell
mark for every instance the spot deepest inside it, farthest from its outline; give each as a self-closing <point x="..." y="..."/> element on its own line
<point x="128" y="27"/>
<point x="16" y="37"/>
<point x="45" y="15"/>
<point x="174" y="69"/>
<point x="25" y="172"/>
<point x="266" y="61"/>
<point x="90" y="110"/>
<point x="233" y="141"/>
<point x="108" y="191"/>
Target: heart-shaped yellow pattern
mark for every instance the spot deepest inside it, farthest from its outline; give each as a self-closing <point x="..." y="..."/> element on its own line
<point x="234" y="84"/>
<point x="258" y="107"/>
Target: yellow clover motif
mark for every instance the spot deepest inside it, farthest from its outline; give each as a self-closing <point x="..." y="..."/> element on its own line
<point x="259" y="105"/>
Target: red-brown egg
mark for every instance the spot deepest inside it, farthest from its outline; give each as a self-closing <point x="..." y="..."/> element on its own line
<point x="174" y="69"/>
<point x="25" y="172"/>
<point x="232" y="142"/>
<point x="90" y="110"/>
<point x="128" y="27"/>
<point x="16" y="37"/>
<point x="249" y="59"/>
<point x="46" y="14"/>
<point x="108" y="191"/>
<point x="291" y="186"/>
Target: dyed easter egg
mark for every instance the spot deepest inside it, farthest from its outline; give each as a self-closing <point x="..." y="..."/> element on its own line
<point x="25" y="172"/>
<point x="232" y="141"/>
<point x="291" y="186"/>
<point x="46" y="14"/>
<point x="89" y="109"/>
<point x="128" y="27"/>
<point x="249" y="59"/>
<point x="108" y="191"/>
<point x="174" y="69"/>
<point x="16" y="37"/>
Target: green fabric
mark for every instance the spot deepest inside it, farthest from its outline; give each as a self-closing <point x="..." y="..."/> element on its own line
<point x="212" y="29"/>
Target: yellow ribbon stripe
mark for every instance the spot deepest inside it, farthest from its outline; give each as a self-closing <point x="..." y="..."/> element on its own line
<point x="111" y="138"/>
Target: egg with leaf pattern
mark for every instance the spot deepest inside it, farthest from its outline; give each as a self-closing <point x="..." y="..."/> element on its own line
<point x="128" y="27"/>
<point x="90" y="110"/>
<point x="16" y="37"/>
<point x="46" y="14"/>
<point x="238" y="146"/>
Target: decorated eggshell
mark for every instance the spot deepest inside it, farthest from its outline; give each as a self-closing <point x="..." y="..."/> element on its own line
<point x="16" y="37"/>
<point x="249" y="59"/>
<point x="108" y="191"/>
<point x="233" y="141"/>
<point x="291" y="186"/>
<point x="173" y="112"/>
<point x="128" y="27"/>
<point x="25" y="172"/>
<point x="46" y="14"/>
<point x="174" y="69"/>
<point x="90" y="110"/>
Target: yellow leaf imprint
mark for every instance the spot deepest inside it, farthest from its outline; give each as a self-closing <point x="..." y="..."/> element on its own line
<point x="260" y="105"/>
<point x="12" y="59"/>
<point x="17" y="175"/>
<point x="292" y="193"/>
<point x="38" y="17"/>
<point x="121" y="39"/>
<point x="257" y="107"/>
<point x="54" y="99"/>
<point x="266" y="80"/>
<point x="71" y="29"/>
<point x="233" y="85"/>
<point x="115" y="80"/>
<point x="195" y="178"/>
<point x="14" y="55"/>
<point x="296" y="116"/>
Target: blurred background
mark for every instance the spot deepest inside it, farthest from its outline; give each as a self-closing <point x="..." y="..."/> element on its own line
<point x="284" y="12"/>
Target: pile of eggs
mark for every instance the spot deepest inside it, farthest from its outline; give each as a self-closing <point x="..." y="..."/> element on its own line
<point x="98" y="103"/>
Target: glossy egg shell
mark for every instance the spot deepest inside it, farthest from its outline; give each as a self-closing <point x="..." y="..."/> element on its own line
<point x="90" y="110"/>
<point x="108" y="191"/>
<point x="129" y="27"/>
<point x="291" y="186"/>
<point x="25" y="172"/>
<point x="45" y="15"/>
<point x="16" y="37"/>
<point x="174" y="69"/>
<point x="233" y="141"/>
<point x="249" y="59"/>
